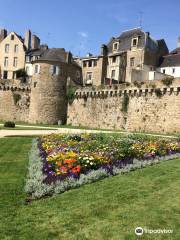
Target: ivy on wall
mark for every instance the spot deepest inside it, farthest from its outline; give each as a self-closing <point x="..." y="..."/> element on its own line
<point x="70" y="93"/>
<point x="16" y="97"/>
<point x="125" y="103"/>
<point x="167" y="81"/>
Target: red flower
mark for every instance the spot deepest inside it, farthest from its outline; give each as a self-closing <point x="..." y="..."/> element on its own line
<point x="69" y="161"/>
<point x="63" y="169"/>
<point x="76" y="169"/>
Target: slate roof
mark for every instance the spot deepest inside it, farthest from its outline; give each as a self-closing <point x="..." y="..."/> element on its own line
<point x="175" y="51"/>
<point x="172" y="60"/>
<point x="125" y="39"/>
<point x="54" y="54"/>
<point x="36" y="52"/>
<point x="130" y="33"/>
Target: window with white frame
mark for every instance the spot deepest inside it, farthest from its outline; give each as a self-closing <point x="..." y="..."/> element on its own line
<point x="90" y="63"/>
<point x="114" y="59"/>
<point x="113" y="74"/>
<point x="15" y="61"/>
<point x="132" y="61"/>
<point x="173" y="70"/>
<point x="28" y="59"/>
<point x="134" y="42"/>
<point x="16" y="48"/>
<point x="6" y="48"/>
<point x="37" y="69"/>
<point x="115" y="46"/>
<point x="89" y="76"/>
<point x="164" y="71"/>
<point x="54" y="70"/>
<point x="5" y="61"/>
<point x="95" y="63"/>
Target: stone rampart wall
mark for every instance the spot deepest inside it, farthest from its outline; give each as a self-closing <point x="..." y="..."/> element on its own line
<point x="146" y="109"/>
<point x="14" y="103"/>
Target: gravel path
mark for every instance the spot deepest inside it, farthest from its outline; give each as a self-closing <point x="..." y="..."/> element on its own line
<point x="6" y="133"/>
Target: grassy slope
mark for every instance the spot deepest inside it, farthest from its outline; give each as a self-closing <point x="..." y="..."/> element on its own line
<point x="108" y="209"/>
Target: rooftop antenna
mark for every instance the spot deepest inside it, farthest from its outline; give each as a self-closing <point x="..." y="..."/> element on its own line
<point x="140" y="18"/>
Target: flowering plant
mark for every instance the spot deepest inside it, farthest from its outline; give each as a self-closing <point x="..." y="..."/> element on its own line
<point x="70" y="155"/>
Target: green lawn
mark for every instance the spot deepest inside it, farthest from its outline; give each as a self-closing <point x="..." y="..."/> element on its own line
<point x="106" y="210"/>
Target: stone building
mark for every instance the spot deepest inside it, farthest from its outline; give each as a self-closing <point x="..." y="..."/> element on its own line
<point x="13" y="51"/>
<point x="126" y="58"/>
<point x="52" y="73"/>
<point x="170" y="64"/>
<point x="12" y="54"/>
<point x="32" y="55"/>
<point x="93" y="69"/>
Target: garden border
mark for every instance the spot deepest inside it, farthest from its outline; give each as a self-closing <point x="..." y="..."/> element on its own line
<point x="36" y="188"/>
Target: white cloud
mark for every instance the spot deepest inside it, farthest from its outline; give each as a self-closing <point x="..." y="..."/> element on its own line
<point x="83" y="34"/>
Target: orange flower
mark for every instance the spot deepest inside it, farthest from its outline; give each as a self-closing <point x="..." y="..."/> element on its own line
<point x="76" y="169"/>
<point x="63" y="169"/>
<point x="69" y="161"/>
<point x="59" y="164"/>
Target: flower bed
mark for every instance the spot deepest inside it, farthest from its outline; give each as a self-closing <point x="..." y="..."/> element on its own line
<point x="66" y="161"/>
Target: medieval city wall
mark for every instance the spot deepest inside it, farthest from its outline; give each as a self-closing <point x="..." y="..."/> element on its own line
<point x="14" y="103"/>
<point x="151" y="108"/>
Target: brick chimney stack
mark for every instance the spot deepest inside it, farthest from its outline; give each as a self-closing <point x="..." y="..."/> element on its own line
<point x="103" y="50"/>
<point x="35" y="42"/>
<point x="69" y="57"/>
<point x="3" y="34"/>
<point x="27" y="40"/>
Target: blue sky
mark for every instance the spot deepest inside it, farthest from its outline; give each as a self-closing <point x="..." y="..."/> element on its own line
<point x="83" y="25"/>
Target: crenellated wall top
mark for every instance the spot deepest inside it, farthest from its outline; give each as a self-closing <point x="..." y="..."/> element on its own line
<point x="11" y="87"/>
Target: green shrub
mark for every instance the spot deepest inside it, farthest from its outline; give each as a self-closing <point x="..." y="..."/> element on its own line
<point x="167" y="81"/>
<point x="70" y="94"/>
<point x="158" y="92"/>
<point x="9" y="124"/>
<point x="16" y="97"/>
<point x="138" y="84"/>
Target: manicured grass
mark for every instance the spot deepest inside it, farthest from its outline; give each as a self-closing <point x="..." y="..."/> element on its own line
<point x="106" y="210"/>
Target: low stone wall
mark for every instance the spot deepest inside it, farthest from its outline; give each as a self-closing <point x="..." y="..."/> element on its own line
<point x="14" y="103"/>
<point x="146" y="109"/>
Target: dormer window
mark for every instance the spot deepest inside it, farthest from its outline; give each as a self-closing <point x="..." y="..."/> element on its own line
<point x="115" y="46"/>
<point x="134" y="42"/>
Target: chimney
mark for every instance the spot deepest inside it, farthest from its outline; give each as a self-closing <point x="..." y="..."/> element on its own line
<point x="3" y="34"/>
<point x="27" y="40"/>
<point x="35" y="42"/>
<point x="148" y="34"/>
<point x="103" y="50"/>
<point x="178" y="42"/>
<point x="69" y="57"/>
<point x="44" y="47"/>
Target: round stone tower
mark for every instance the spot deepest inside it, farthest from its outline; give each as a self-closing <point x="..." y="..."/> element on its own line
<point x="48" y="103"/>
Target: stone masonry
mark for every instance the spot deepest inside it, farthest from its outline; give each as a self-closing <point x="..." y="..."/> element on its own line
<point x="147" y="109"/>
